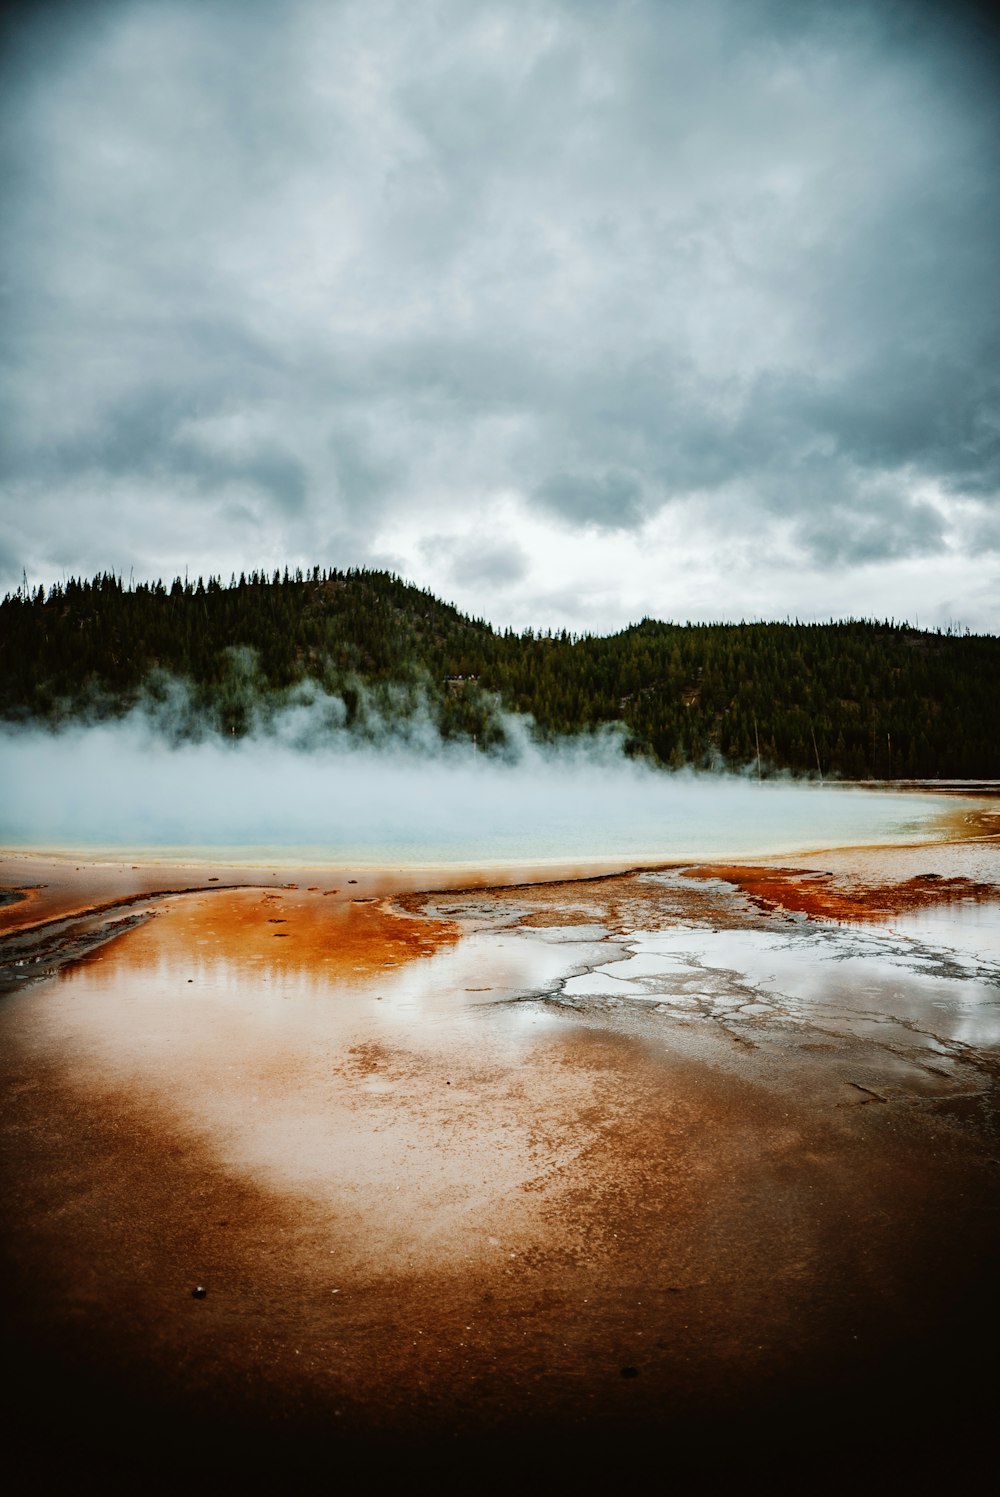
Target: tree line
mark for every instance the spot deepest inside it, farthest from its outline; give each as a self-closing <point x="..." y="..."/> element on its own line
<point x="856" y="699"/>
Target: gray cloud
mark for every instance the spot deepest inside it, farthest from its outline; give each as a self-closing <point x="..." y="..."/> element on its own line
<point x="480" y="559"/>
<point x="887" y="528"/>
<point x="322" y="271"/>
<point x="610" y="500"/>
<point x="985" y="533"/>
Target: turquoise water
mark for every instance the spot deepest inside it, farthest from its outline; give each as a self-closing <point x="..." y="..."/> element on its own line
<point x="105" y="789"/>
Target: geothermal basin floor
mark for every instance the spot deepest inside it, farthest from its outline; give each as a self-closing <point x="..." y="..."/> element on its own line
<point x="696" y="1165"/>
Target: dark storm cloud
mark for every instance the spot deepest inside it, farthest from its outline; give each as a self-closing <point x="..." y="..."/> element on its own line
<point x="334" y="270"/>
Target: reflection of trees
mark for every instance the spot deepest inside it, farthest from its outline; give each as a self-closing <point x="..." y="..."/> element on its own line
<point x="306" y="936"/>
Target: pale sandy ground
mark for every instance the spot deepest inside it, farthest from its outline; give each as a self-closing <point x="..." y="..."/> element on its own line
<point x="656" y="1175"/>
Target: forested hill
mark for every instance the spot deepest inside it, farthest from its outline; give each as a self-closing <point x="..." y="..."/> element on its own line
<point x="376" y="655"/>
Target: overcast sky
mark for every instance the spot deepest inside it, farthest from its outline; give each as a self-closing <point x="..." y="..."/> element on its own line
<point x="573" y="312"/>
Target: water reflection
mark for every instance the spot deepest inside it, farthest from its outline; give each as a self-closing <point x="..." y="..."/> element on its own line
<point x="932" y="978"/>
<point x="382" y="1088"/>
<point x="417" y="1075"/>
<point x="971" y="927"/>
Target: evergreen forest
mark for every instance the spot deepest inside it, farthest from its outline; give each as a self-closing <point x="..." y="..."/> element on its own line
<point x="368" y="654"/>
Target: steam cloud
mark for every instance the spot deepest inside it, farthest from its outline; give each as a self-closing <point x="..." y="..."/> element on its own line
<point x="310" y="789"/>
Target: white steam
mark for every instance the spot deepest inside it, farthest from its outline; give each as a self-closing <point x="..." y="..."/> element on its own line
<point x="310" y="789"/>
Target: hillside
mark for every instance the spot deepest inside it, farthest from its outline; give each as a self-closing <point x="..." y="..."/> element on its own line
<point x="375" y="655"/>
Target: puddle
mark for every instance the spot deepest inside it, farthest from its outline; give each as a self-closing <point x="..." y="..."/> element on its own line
<point x="929" y="981"/>
<point x="971" y="928"/>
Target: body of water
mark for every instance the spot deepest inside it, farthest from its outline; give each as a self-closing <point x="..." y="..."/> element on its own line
<point x="117" y="792"/>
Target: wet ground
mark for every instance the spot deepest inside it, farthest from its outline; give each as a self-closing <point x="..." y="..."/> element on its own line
<point x="687" y="1170"/>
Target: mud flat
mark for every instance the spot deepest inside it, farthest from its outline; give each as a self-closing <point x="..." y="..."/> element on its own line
<point x="677" y="1171"/>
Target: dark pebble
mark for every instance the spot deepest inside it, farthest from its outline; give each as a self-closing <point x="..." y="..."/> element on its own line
<point x="198" y="1292"/>
<point x="630" y="1372"/>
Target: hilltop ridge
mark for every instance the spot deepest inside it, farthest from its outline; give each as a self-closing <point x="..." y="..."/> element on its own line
<point x="856" y="698"/>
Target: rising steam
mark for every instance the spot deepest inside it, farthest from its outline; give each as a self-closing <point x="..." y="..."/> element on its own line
<point x="305" y="786"/>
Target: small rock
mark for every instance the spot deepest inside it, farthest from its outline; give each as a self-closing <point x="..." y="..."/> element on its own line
<point x="198" y="1292"/>
<point x="630" y="1372"/>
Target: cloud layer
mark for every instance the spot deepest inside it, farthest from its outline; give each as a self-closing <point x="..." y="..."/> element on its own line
<point x="570" y="311"/>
